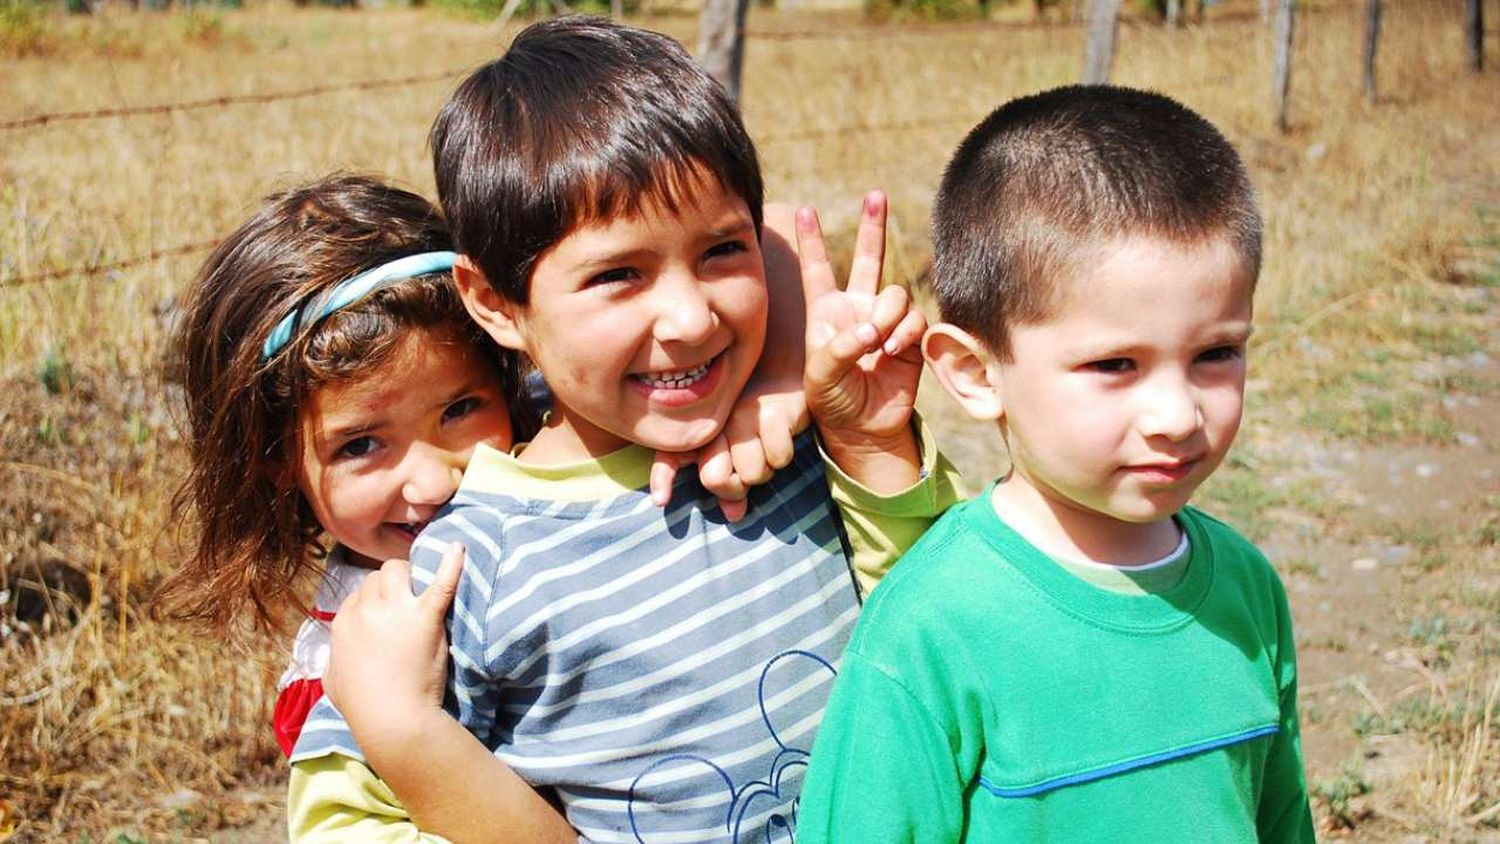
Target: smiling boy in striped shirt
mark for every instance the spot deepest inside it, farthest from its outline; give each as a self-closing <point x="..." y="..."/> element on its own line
<point x="662" y="672"/>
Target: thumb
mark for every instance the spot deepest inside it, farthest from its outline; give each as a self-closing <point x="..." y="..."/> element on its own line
<point x="439" y="594"/>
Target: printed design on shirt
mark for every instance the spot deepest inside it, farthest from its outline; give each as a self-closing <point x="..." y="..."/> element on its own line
<point x="758" y="796"/>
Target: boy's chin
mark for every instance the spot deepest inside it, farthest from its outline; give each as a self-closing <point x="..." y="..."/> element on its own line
<point x="677" y="436"/>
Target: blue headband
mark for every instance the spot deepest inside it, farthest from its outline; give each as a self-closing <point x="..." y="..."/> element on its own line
<point x="349" y="291"/>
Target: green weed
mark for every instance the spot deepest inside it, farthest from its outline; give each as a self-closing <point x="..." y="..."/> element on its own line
<point x="55" y="373"/>
<point x="1338" y="795"/>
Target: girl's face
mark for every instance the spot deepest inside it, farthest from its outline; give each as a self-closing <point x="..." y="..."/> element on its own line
<point x="383" y="452"/>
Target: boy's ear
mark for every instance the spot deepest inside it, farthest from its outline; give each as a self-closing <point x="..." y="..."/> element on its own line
<point x="962" y="365"/>
<point x="494" y="313"/>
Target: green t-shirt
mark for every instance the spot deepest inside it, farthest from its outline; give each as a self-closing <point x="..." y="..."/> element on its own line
<point x="989" y="694"/>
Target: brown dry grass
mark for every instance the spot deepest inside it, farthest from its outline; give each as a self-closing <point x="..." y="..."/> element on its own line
<point x="113" y="725"/>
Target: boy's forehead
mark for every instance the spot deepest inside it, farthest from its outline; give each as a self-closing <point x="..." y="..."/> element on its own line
<point x="1121" y="264"/>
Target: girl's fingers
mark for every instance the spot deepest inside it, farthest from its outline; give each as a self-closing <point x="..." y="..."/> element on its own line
<point x="869" y="246"/>
<point x="444" y="584"/>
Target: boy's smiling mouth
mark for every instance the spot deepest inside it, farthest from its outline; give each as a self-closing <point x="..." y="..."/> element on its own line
<point x="681" y="388"/>
<point x="678" y="379"/>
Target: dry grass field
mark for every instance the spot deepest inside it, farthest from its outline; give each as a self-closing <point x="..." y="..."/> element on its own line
<point x="1369" y="468"/>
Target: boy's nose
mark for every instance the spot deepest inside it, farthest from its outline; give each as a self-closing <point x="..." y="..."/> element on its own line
<point x="432" y="476"/>
<point x="1171" y="410"/>
<point x="684" y="312"/>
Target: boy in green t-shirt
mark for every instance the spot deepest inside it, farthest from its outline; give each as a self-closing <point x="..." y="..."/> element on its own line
<point x="1076" y="655"/>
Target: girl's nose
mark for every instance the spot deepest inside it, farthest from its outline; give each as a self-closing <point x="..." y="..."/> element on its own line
<point x="432" y="476"/>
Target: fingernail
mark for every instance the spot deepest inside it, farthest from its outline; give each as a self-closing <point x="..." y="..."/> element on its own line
<point x="866" y="333"/>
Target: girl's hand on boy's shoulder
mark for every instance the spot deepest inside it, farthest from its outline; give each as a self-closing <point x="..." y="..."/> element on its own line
<point x="389" y="656"/>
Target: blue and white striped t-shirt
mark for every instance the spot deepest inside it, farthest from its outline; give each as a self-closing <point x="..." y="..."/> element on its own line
<point x="663" y="670"/>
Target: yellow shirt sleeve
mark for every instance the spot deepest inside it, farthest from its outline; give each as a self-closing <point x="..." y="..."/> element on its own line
<point x="337" y="799"/>
<point x="882" y="527"/>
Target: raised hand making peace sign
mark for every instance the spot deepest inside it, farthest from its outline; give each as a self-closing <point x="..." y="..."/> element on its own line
<point x="863" y="356"/>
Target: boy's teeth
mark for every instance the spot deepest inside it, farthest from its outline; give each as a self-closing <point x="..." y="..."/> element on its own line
<point x="676" y="380"/>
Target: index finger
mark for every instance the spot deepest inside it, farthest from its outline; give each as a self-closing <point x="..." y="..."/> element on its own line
<point x="817" y="272"/>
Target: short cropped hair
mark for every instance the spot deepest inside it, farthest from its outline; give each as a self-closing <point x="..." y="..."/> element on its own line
<point x="582" y="119"/>
<point x="1046" y="178"/>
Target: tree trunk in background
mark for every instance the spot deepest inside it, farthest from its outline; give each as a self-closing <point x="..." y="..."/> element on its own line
<point x="721" y="42"/>
<point x="1174" y="13"/>
<point x="1104" y="20"/>
<point x="1474" y="25"/>
<point x="1372" y="44"/>
<point x="617" y="9"/>
<point x="1282" y="84"/>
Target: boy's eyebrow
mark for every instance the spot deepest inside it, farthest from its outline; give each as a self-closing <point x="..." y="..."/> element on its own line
<point x="737" y="227"/>
<point x="1085" y="349"/>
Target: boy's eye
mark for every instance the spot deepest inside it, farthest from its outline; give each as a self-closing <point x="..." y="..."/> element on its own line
<point x="1221" y="354"/>
<point x="461" y="408"/>
<point x="728" y="247"/>
<point x="615" y="276"/>
<point x="357" y="447"/>
<point x="1111" y="365"/>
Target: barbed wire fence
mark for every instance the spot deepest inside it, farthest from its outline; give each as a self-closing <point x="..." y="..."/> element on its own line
<point x="95" y="268"/>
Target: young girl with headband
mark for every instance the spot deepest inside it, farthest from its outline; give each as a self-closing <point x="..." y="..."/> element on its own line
<point x="335" y="387"/>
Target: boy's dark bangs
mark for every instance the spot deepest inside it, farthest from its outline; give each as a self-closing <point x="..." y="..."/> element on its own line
<point x="622" y="189"/>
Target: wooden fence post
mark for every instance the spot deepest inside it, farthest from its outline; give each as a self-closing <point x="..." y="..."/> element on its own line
<point x="1282" y="75"/>
<point x="1474" y="29"/>
<point x="721" y="42"/>
<point x="1099" y="55"/>
<point x="1372" y="45"/>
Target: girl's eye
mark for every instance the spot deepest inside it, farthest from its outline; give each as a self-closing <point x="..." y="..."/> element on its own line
<point x="728" y="247"/>
<point x="357" y="447"/>
<point x="1221" y="354"/>
<point x="1111" y="366"/>
<point x="461" y="408"/>
<point x="615" y="276"/>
